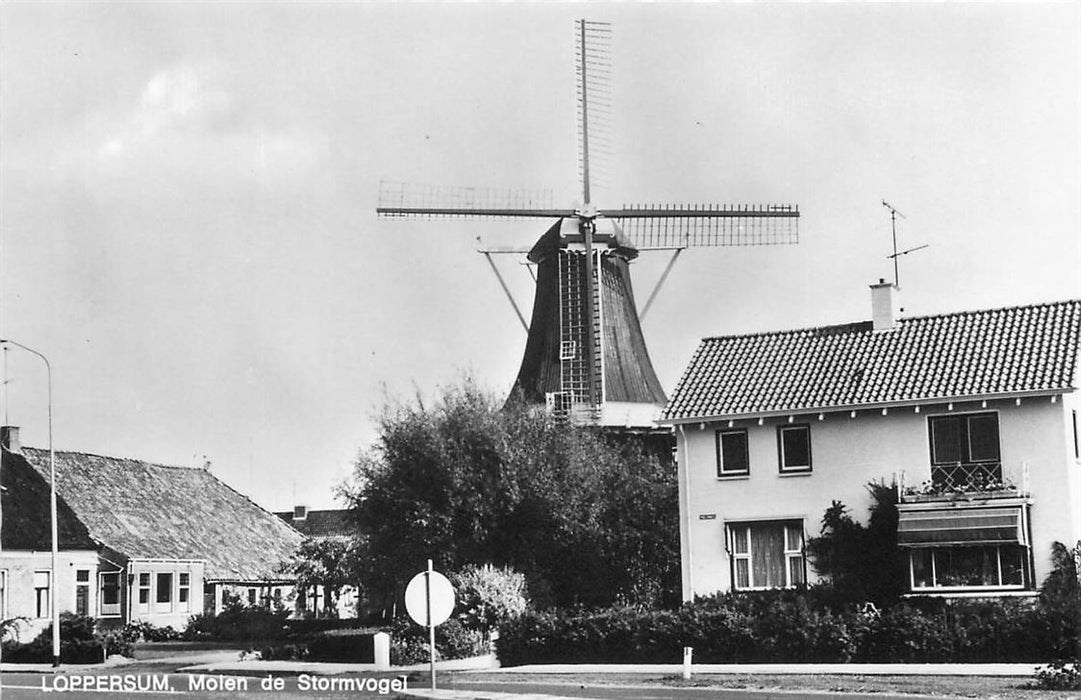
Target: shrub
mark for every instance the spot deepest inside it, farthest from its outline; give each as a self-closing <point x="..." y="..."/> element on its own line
<point x="487" y="596"/>
<point x="354" y="646"/>
<point x="284" y="652"/>
<point x="238" y="622"/>
<point x="80" y="643"/>
<point x="143" y="631"/>
<point x="1059" y="675"/>
<point x="409" y="642"/>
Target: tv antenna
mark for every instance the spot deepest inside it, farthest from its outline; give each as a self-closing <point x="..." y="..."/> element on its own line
<point x="893" y="225"/>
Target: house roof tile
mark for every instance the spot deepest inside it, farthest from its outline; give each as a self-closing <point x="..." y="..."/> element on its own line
<point x="152" y="511"/>
<point x="1007" y="351"/>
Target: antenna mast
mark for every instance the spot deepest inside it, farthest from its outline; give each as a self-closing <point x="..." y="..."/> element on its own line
<point x="893" y="224"/>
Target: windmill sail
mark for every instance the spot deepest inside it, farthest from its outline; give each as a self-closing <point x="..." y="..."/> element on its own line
<point x="585" y="355"/>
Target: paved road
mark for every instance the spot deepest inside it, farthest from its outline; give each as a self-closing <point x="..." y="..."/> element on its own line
<point x="651" y="692"/>
<point x="139" y="682"/>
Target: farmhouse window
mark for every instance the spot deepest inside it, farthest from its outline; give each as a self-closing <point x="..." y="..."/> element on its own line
<point x="164" y="595"/>
<point x="144" y="592"/>
<point x="767" y="554"/>
<point x="109" y="584"/>
<point x="183" y="593"/>
<point x="965" y="450"/>
<point x="82" y="592"/>
<point x="41" y="594"/>
<point x="794" y="448"/>
<point x="732" y="457"/>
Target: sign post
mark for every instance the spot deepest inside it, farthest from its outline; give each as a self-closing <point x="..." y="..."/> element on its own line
<point x="429" y="600"/>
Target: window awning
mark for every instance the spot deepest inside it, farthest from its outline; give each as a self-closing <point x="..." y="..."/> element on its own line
<point x="961" y="526"/>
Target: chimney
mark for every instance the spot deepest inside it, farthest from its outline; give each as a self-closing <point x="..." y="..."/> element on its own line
<point x="300" y="512"/>
<point x="9" y="439"/>
<point x="884" y="305"/>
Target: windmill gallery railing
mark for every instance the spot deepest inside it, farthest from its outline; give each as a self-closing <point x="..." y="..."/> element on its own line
<point x="975" y="479"/>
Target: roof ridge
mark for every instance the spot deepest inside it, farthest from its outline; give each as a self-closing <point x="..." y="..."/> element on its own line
<point x="908" y="319"/>
<point x="113" y="458"/>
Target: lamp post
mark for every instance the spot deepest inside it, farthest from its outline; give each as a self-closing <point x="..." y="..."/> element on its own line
<point x="53" y="610"/>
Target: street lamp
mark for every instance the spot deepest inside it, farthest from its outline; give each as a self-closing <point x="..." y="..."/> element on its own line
<point x="54" y="611"/>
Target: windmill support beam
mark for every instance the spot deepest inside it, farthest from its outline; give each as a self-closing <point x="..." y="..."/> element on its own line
<point x="660" y="283"/>
<point x="506" y="290"/>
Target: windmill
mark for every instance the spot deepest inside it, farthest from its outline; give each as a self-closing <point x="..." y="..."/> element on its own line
<point x="585" y="356"/>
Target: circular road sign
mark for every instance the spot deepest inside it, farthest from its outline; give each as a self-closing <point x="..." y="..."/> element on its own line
<point x="416" y="598"/>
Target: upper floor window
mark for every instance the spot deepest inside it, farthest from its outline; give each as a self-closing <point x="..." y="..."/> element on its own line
<point x="965" y="450"/>
<point x="794" y="448"/>
<point x="732" y="457"/>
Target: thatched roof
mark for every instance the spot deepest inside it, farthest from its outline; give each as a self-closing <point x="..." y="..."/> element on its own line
<point x="26" y="511"/>
<point x="152" y="511"/>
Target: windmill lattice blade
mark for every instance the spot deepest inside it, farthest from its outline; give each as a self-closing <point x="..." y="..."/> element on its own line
<point x="400" y="199"/>
<point x="593" y="48"/>
<point x="684" y="226"/>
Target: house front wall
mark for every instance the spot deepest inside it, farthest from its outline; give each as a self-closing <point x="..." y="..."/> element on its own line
<point x="164" y="592"/>
<point x="23" y="574"/>
<point x="848" y="452"/>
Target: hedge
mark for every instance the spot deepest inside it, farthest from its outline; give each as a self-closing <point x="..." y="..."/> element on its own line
<point x="792" y="626"/>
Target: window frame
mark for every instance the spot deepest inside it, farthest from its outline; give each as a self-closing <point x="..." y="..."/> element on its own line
<point x="119" y="604"/>
<point x="3" y="594"/>
<point x="183" y="591"/>
<point x="782" y="465"/>
<point x="83" y="587"/>
<point x="164" y="596"/>
<point x="788" y="555"/>
<point x="1026" y="572"/>
<point x="142" y="599"/>
<point x="723" y="473"/>
<point x="965" y="439"/>
<point x="37" y="594"/>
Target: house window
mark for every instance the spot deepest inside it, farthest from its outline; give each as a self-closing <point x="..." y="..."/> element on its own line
<point x="794" y="448"/>
<point x="986" y="566"/>
<point x="3" y="594"/>
<point x="253" y="594"/>
<point x="144" y="592"/>
<point x="732" y="457"/>
<point x="183" y="593"/>
<point x="767" y="554"/>
<point x="82" y="592"/>
<point x="965" y="451"/>
<point x="41" y="594"/>
<point x="109" y="584"/>
<point x="164" y="597"/>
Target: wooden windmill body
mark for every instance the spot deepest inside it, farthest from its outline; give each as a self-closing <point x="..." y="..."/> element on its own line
<point x="585" y="357"/>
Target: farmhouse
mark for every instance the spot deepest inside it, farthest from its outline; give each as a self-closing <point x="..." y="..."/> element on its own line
<point x="139" y="541"/>
<point x="973" y="414"/>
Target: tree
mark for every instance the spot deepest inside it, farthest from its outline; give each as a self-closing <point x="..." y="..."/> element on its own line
<point x="587" y="517"/>
<point x="329" y="563"/>
<point x="862" y="562"/>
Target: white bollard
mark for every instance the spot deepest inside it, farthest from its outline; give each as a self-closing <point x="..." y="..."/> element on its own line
<point x="687" y="651"/>
<point x="381" y="645"/>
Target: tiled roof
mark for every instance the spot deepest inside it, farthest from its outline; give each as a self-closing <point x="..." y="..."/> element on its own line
<point x="321" y="523"/>
<point x="1016" y="350"/>
<point x="145" y="511"/>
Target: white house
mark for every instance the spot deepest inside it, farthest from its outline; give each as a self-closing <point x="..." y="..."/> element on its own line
<point x="974" y="414"/>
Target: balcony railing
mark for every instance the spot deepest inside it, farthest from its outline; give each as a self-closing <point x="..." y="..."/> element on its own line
<point x="968" y="480"/>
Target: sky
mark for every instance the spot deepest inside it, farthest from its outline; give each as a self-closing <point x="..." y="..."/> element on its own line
<point x="188" y="192"/>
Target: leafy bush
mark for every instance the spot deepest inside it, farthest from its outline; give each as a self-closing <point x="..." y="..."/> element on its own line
<point x="238" y="622"/>
<point x="409" y="642"/>
<point x="284" y="652"/>
<point x="80" y="643"/>
<point x="353" y="646"/>
<point x="487" y="596"/>
<point x="1059" y="675"/>
<point x="143" y="631"/>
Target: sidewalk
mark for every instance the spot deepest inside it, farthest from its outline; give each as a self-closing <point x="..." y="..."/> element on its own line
<point x="1002" y="670"/>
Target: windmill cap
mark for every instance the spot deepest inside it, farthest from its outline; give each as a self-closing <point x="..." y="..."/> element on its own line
<point x="607" y="233"/>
